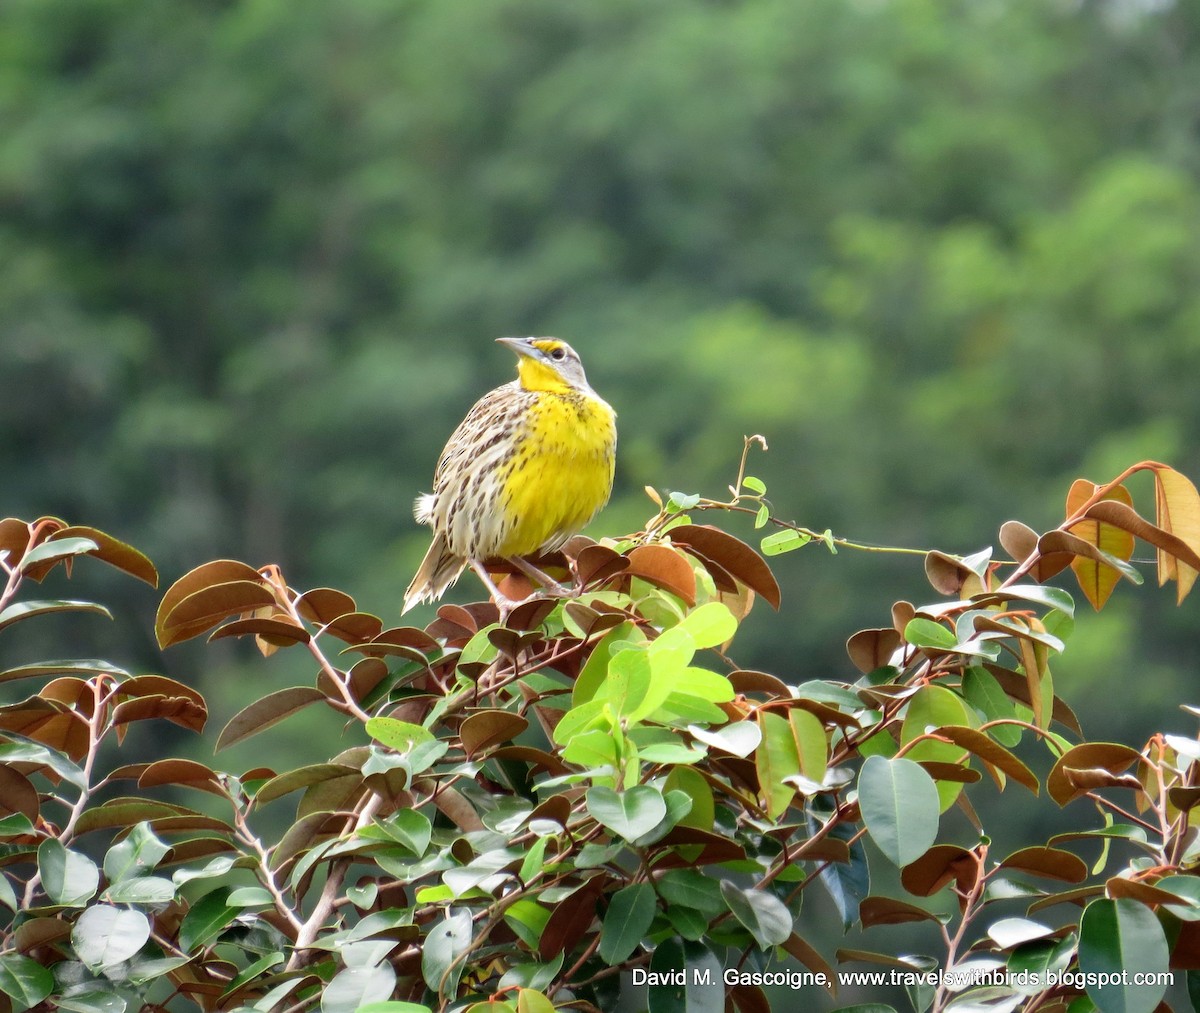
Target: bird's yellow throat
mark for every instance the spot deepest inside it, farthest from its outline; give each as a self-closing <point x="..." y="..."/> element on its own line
<point x="536" y="375"/>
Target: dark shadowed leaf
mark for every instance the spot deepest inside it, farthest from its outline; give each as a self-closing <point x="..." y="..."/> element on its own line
<point x="1117" y="936"/>
<point x="627" y="920"/>
<point x="701" y="976"/>
<point x="763" y="914"/>
<point x="24" y="979"/>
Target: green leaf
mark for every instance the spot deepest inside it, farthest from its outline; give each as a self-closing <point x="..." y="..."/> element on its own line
<point x="355" y="987"/>
<point x="847" y="883"/>
<point x="104" y="935"/>
<point x="592" y="750"/>
<point x="693" y="889"/>
<point x="401" y="736"/>
<point x="776" y="759"/>
<point x="628" y="679"/>
<point x="762" y="913"/>
<point x="1121" y="935"/>
<point x="921" y="632"/>
<point x="811" y="743"/>
<point x="929" y="708"/>
<point x="682" y="501"/>
<point x="393" y="1006"/>
<point x="70" y="879"/>
<point x="137" y="855"/>
<point x="700" y="972"/>
<point x="710" y="625"/>
<point x="629" y="814"/>
<point x="699" y="791"/>
<point x="899" y="804"/>
<point x="28" y="609"/>
<point x="92" y="1000"/>
<point x="24" y="979"/>
<point x="754" y="484"/>
<point x="59" y="549"/>
<point x="779" y="542"/>
<point x="627" y="920"/>
<point x="205" y="920"/>
<point x="447" y="941"/>
<point x="983" y="692"/>
<point x="141" y="890"/>
<point x="740" y="738"/>
<point x="8" y="896"/>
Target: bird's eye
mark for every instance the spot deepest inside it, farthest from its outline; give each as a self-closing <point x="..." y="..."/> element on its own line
<point x="558" y="355"/>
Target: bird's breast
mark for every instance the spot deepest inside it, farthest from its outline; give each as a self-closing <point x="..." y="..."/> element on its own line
<point x="561" y="472"/>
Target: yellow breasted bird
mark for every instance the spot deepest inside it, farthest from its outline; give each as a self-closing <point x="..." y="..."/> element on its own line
<point x="527" y="468"/>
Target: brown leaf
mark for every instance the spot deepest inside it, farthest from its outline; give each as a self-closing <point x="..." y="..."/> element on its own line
<point x="746" y="681"/>
<point x="1178" y="511"/>
<point x="940" y="770"/>
<point x="220" y="571"/>
<point x="179" y="710"/>
<point x="322" y="605"/>
<point x="529" y="615"/>
<point x="722" y="579"/>
<point x="267" y="711"/>
<point x="112" y="551"/>
<point x="1052" y="863"/>
<point x="1117" y="887"/>
<point x="539" y="758"/>
<point x="937" y="867"/>
<point x="570" y="920"/>
<point x="485" y="729"/>
<point x="991" y="752"/>
<point x="363" y="678"/>
<point x="49" y="723"/>
<point x="14" y="538"/>
<point x="746" y="998"/>
<point x="355" y="627"/>
<point x="689" y="847"/>
<point x="556" y="808"/>
<point x="947" y="574"/>
<point x="187" y="773"/>
<point x="811" y="959"/>
<point x="889" y="911"/>
<point x="1111" y="756"/>
<point x="903" y="613"/>
<point x="666" y="568"/>
<point x="1097" y="578"/>
<point x="733" y="555"/>
<point x="1019" y="540"/>
<point x="1015" y="685"/>
<point x="205" y="608"/>
<point x="280" y="632"/>
<point x="872" y="649"/>
<point x="17" y="794"/>
<point x="1129" y="520"/>
<point x="597" y="563"/>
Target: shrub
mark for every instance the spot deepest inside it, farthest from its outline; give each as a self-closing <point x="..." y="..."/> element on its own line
<point x="541" y="801"/>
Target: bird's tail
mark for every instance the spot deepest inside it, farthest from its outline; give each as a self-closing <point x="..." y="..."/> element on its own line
<point x="438" y="570"/>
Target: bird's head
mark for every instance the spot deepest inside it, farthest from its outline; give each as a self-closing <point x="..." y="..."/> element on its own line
<point x="547" y="364"/>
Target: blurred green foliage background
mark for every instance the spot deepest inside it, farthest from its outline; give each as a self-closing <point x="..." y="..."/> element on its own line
<point x="944" y="256"/>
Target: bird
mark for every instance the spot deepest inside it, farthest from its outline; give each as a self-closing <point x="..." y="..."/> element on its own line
<point x="530" y="465"/>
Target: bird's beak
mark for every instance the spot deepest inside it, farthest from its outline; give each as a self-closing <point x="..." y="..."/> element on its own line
<point x="519" y="345"/>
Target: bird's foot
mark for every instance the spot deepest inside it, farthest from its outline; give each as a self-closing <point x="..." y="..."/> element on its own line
<point x="550" y="588"/>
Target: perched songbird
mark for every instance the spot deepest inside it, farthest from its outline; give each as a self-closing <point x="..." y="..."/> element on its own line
<point x="527" y="468"/>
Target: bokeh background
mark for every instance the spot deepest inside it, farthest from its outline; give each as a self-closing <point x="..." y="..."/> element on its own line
<point x="944" y="256"/>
